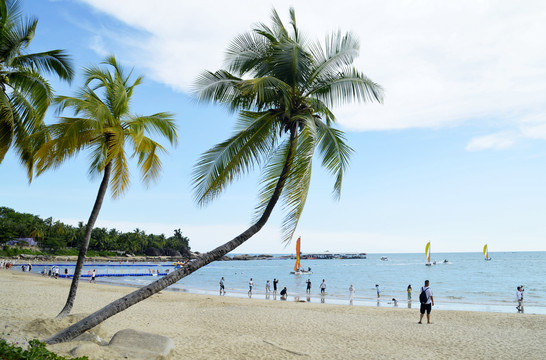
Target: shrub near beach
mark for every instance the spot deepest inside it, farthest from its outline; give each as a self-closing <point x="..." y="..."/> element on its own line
<point x="36" y="351"/>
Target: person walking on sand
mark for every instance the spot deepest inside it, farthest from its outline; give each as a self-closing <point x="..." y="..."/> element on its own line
<point x="427" y="302"/>
<point x="222" y="288"/>
<point x="351" y="293"/>
<point x="250" y="285"/>
<point x="323" y="287"/>
<point x="409" y="292"/>
<point x="93" y="274"/>
<point x="275" y="282"/>
<point x="377" y="289"/>
<point x="308" y="290"/>
<point x="519" y="299"/>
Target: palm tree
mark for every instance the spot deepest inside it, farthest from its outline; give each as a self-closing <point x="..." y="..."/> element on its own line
<point x="104" y="124"/>
<point x="283" y="86"/>
<point x="24" y="94"/>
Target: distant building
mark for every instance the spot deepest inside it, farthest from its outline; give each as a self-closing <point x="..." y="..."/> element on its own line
<point x="22" y="242"/>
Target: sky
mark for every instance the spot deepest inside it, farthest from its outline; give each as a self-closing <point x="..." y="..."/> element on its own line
<point x="455" y="155"/>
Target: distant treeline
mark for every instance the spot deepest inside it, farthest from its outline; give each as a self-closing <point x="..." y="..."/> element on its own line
<point x="56" y="237"/>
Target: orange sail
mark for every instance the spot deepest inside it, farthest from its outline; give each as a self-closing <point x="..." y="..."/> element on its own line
<point x="297" y="266"/>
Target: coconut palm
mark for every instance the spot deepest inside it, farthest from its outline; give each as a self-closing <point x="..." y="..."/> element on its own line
<point x="103" y="124"/>
<point x="24" y="94"/>
<point x="283" y="86"/>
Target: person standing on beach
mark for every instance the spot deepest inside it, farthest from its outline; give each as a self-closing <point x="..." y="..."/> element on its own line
<point x="275" y="282"/>
<point x="93" y="277"/>
<point x="267" y="287"/>
<point x="351" y="293"/>
<point x="377" y="288"/>
<point x="426" y="303"/>
<point x="308" y="290"/>
<point x="409" y="292"/>
<point x="323" y="287"/>
<point x="519" y="299"/>
<point x="250" y="285"/>
<point x="222" y="288"/>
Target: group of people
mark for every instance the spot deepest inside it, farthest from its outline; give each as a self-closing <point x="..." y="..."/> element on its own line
<point x="426" y="298"/>
<point x="53" y="272"/>
<point x="283" y="293"/>
<point x="5" y="264"/>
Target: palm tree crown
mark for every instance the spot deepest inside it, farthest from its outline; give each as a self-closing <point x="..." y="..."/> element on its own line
<point x="103" y="123"/>
<point x="283" y="85"/>
<point x="24" y="94"/>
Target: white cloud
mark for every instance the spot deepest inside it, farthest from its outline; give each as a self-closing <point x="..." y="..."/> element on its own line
<point x="492" y="141"/>
<point x="440" y="63"/>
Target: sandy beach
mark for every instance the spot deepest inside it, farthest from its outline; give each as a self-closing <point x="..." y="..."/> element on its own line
<point x="209" y="327"/>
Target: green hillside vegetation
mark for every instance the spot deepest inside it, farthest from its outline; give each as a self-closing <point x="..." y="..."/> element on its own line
<point x="56" y="238"/>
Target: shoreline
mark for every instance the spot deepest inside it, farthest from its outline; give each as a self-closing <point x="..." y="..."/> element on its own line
<point x="370" y="302"/>
<point x="204" y="326"/>
<point x="445" y="303"/>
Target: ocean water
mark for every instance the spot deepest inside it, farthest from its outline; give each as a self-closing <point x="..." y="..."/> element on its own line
<point x="465" y="282"/>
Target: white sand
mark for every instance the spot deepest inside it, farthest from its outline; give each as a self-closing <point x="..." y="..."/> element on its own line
<point x="210" y="327"/>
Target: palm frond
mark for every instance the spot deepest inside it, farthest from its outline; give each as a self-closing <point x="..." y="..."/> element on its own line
<point x="35" y="88"/>
<point x="67" y="138"/>
<point x="246" y="53"/>
<point x="55" y="61"/>
<point x="150" y="165"/>
<point x="232" y="158"/>
<point x="335" y="154"/>
<point x="7" y="124"/>
<point x="339" y="51"/>
<point x="346" y="86"/>
<point x="160" y="123"/>
<point x="221" y="87"/>
<point x="120" y="179"/>
<point x="296" y="188"/>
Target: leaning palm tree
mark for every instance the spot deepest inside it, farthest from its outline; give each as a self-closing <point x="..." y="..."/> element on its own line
<point x="24" y="94"/>
<point x="282" y="86"/>
<point x="103" y="124"/>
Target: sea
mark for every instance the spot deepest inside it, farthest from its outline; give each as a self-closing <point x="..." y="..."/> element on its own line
<point x="459" y="281"/>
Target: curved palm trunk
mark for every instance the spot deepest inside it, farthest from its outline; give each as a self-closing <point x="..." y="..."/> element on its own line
<point x="85" y="242"/>
<point x="158" y="285"/>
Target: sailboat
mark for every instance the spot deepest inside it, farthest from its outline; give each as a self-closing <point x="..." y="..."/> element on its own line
<point x="486" y="253"/>
<point x="427" y="253"/>
<point x="298" y="270"/>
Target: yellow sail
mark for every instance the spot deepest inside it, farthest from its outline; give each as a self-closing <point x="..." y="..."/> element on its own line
<point x="486" y="252"/>
<point x="297" y="266"/>
<point x="427" y="251"/>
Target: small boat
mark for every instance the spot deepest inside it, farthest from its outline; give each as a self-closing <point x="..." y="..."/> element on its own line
<point x="427" y="253"/>
<point x="298" y="270"/>
<point x="486" y="253"/>
<point x="384" y="258"/>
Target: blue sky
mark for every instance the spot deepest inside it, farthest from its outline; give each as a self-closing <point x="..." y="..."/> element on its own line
<point x="454" y="156"/>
